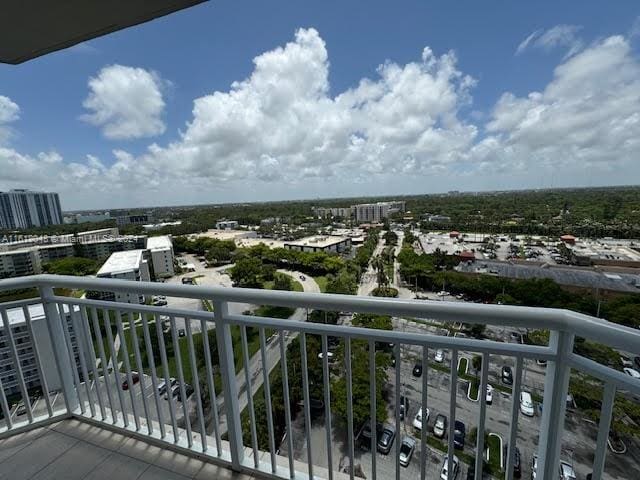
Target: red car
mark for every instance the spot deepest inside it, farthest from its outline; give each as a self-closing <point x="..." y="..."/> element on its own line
<point x="134" y="377"/>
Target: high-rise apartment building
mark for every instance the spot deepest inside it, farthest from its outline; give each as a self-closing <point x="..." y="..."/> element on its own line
<point x="375" y="212"/>
<point x="27" y="209"/>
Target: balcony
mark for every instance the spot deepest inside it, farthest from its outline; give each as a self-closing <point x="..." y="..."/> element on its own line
<point x="138" y="391"/>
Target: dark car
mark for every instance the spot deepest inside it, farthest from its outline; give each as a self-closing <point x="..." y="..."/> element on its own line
<point x="517" y="468"/>
<point x="417" y="370"/>
<point x="460" y="431"/>
<point x="404" y="406"/>
<point x="637" y="361"/>
<point x="364" y="437"/>
<point x="135" y="378"/>
<point x="385" y="440"/>
<point x="507" y="375"/>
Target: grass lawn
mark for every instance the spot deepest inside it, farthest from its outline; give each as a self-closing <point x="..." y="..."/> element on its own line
<point x="474" y="389"/>
<point x="463" y="363"/>
<point x="321" y="280"/>
<point x="493" y="444"/>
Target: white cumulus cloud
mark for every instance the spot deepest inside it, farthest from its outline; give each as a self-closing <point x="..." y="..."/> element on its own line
<point x="126" y="103"/>
<point x="9" y="112"/>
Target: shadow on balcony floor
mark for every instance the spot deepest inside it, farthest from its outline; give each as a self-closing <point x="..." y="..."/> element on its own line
<point x="74" y="450"/>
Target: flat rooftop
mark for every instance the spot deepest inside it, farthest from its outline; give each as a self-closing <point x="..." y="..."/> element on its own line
<point x="225" y="234"/>
<point x="36" y="312"/>
<point x="320" y="241"/>
<point x="162" y="242"/>
<point x="120" y="262"/>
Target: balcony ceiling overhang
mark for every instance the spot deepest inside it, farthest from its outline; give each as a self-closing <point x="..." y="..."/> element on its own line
<point x="31" y="28"/>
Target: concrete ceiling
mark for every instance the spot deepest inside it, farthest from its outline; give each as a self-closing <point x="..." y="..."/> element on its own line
<point x="31" y="28"/>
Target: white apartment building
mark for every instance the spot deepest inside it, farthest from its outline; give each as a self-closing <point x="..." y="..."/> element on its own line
<point x="24" y="345"/>
<point x="126" y="265"/>
<point x="375" y="212"/>
<point x="18" y="263"/>
<point x="162" y="258"/>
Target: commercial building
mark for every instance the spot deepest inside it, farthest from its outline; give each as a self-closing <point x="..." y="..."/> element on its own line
<point x="375" y="212"/>
<point x="225" y="234"/>
<point x="27" y="209"/>
<point x="138" y="219"/>
<point x="342" y="212"/>
<point x="87" y="217"/>
<point x="157" y="226"/>
<point x="162" y="258"/>
<point x="320" y="243"/>
<point x="24" y="344"/>
<point x="226" y="225"/>
<point x="131" y="265"/>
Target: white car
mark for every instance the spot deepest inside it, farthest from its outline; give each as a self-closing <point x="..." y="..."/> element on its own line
<point x="444" y="472"/>
<point x="567" y="472"/>
<point x="329" y="355"/>
<point x="419" y="420"/>
<point x="406" y="450"/>
<point x="442" y="293"/>
<point x="632" y="372"/>
<point x="489" y="394"/>
<point x="439" y="357"/>
<point x="526" y="404"/>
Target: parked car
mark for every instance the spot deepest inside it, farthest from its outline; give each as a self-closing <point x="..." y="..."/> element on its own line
<point x="417" y="369"/>
<point x="404" y="406"/>
<point x="135" y="378"/>
<point x="364" y="437"/>
<point x="406" y="450"/>
<point x="444" y="472"/>
<point x="566" y="471"/>
<point x="534" y="467"/>
<point x="517" y="467"/>
<point x="419" y="419"/>
<point x="626" y="361"/>
<point x="507" y="375"/>
<point x="489" y="394"/>
<point x="526" y="404"/>
<point x="439" y="357"/>
<point x="162" y="386"/>
<point x="385" y="440"/>
<point x="181" y="332"/>
<point x="440" y="426"/>
<point x="632" y="372"/>
<point x="459" y="433"/>
<point x="173" y="392"/>
<point x="330" y="356"/>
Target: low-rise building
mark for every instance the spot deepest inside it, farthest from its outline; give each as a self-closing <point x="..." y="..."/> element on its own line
<point x="18" y="263"/>
<point x="226" y="225"/>
<point x="138" y="219"/>
<point x="95" y="217"/>
<point x="157" y="226"/>
<point x="162" y="257"/>
<point x="375" y="212"/>
<point x="320" y="243"/>
<point x="131" y="265"/>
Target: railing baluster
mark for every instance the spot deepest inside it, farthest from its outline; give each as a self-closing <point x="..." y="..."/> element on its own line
<point x="484" y="379"/>
<point x="127" y="369"/>
<point x="103" y="364"/>
<point x="453" y="393"/>
<point x="267" y="399"/>
<point x="423" y="428"/>
<point x="211" y="383"/>
<point x="8" y="334"/>
<point x="6" y="413"/>
<point x="167" y="378"/>
<point x="347" y="362"/>
<point x="513" y="426"/>
<point x="287" y="401"/>
<point x="196" y="384"/>
<point x="396" y="416"/>
<point x="327" y="403"/>
<point x="249" y="393"/>
<point x="84" y="319"/>
<point x="181" y="383"/>
<point x="80" y="342"/>
<point x="307" y="400"/>
<point x="36" y="352"/>
<point x="154" y="376"/>
<point x="116" y="366"/>
<point x="606" y="412"/>
<point x="136" y="353"/>
<point x="70" y="352"/>
<point x="228" y="372"/>
<point x="373" y="414"/>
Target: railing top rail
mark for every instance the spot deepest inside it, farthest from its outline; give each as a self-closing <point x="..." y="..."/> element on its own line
<point x="526" y="317"/>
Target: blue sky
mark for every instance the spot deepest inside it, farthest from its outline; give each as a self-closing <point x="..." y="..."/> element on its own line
<point x="213" y="156"/>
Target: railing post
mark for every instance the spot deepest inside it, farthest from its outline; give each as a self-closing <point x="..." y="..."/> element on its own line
<point x="228" y="373"/>
<point x="59" y="347"/>
<point x="556" y="388"/>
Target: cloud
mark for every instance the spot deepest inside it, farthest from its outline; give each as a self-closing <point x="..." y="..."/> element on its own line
<point x="281" y="133"/>
<point x="563" y="36"/>
<point x="126" y="103"/>
<point x="9" y="112"/>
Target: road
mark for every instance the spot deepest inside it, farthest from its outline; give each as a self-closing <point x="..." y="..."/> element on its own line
<point x="368" y="280"/>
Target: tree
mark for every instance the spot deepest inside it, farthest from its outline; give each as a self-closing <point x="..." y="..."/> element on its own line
<point x="247" y="272"/>
<point x="76" y="266"/>
<point x="282" y="281"/>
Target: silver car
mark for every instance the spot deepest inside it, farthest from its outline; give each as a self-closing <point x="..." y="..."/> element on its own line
<point x="406" y="450"/>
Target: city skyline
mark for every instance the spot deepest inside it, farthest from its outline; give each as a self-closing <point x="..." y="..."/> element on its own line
<point x="412" y="110"/>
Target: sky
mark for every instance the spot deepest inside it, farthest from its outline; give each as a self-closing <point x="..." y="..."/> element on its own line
<point x="238" y="101"/>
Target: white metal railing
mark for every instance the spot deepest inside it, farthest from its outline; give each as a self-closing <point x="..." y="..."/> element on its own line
<point x="86" y="351"/>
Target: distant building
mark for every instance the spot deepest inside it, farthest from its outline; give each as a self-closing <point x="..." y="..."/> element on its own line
<point x="375" y="212"/>
<point x="226" y="225"/>
<point x="19" y="263"/>
<point x="139" y="219"/>
<point x="162" y="258"/>
<point x="87" y="218"/>
<point x="454" y="234"/>
<point x="568" y="239"/>
<point x="342" y="212"/>
<point x="157" y="226"/>
<point x="27" y="209"/>
<point x="265" y="222"/>
<point x="320" y="243"/>
<point x="131" y="265"/>
<point x="438" y="219"/>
